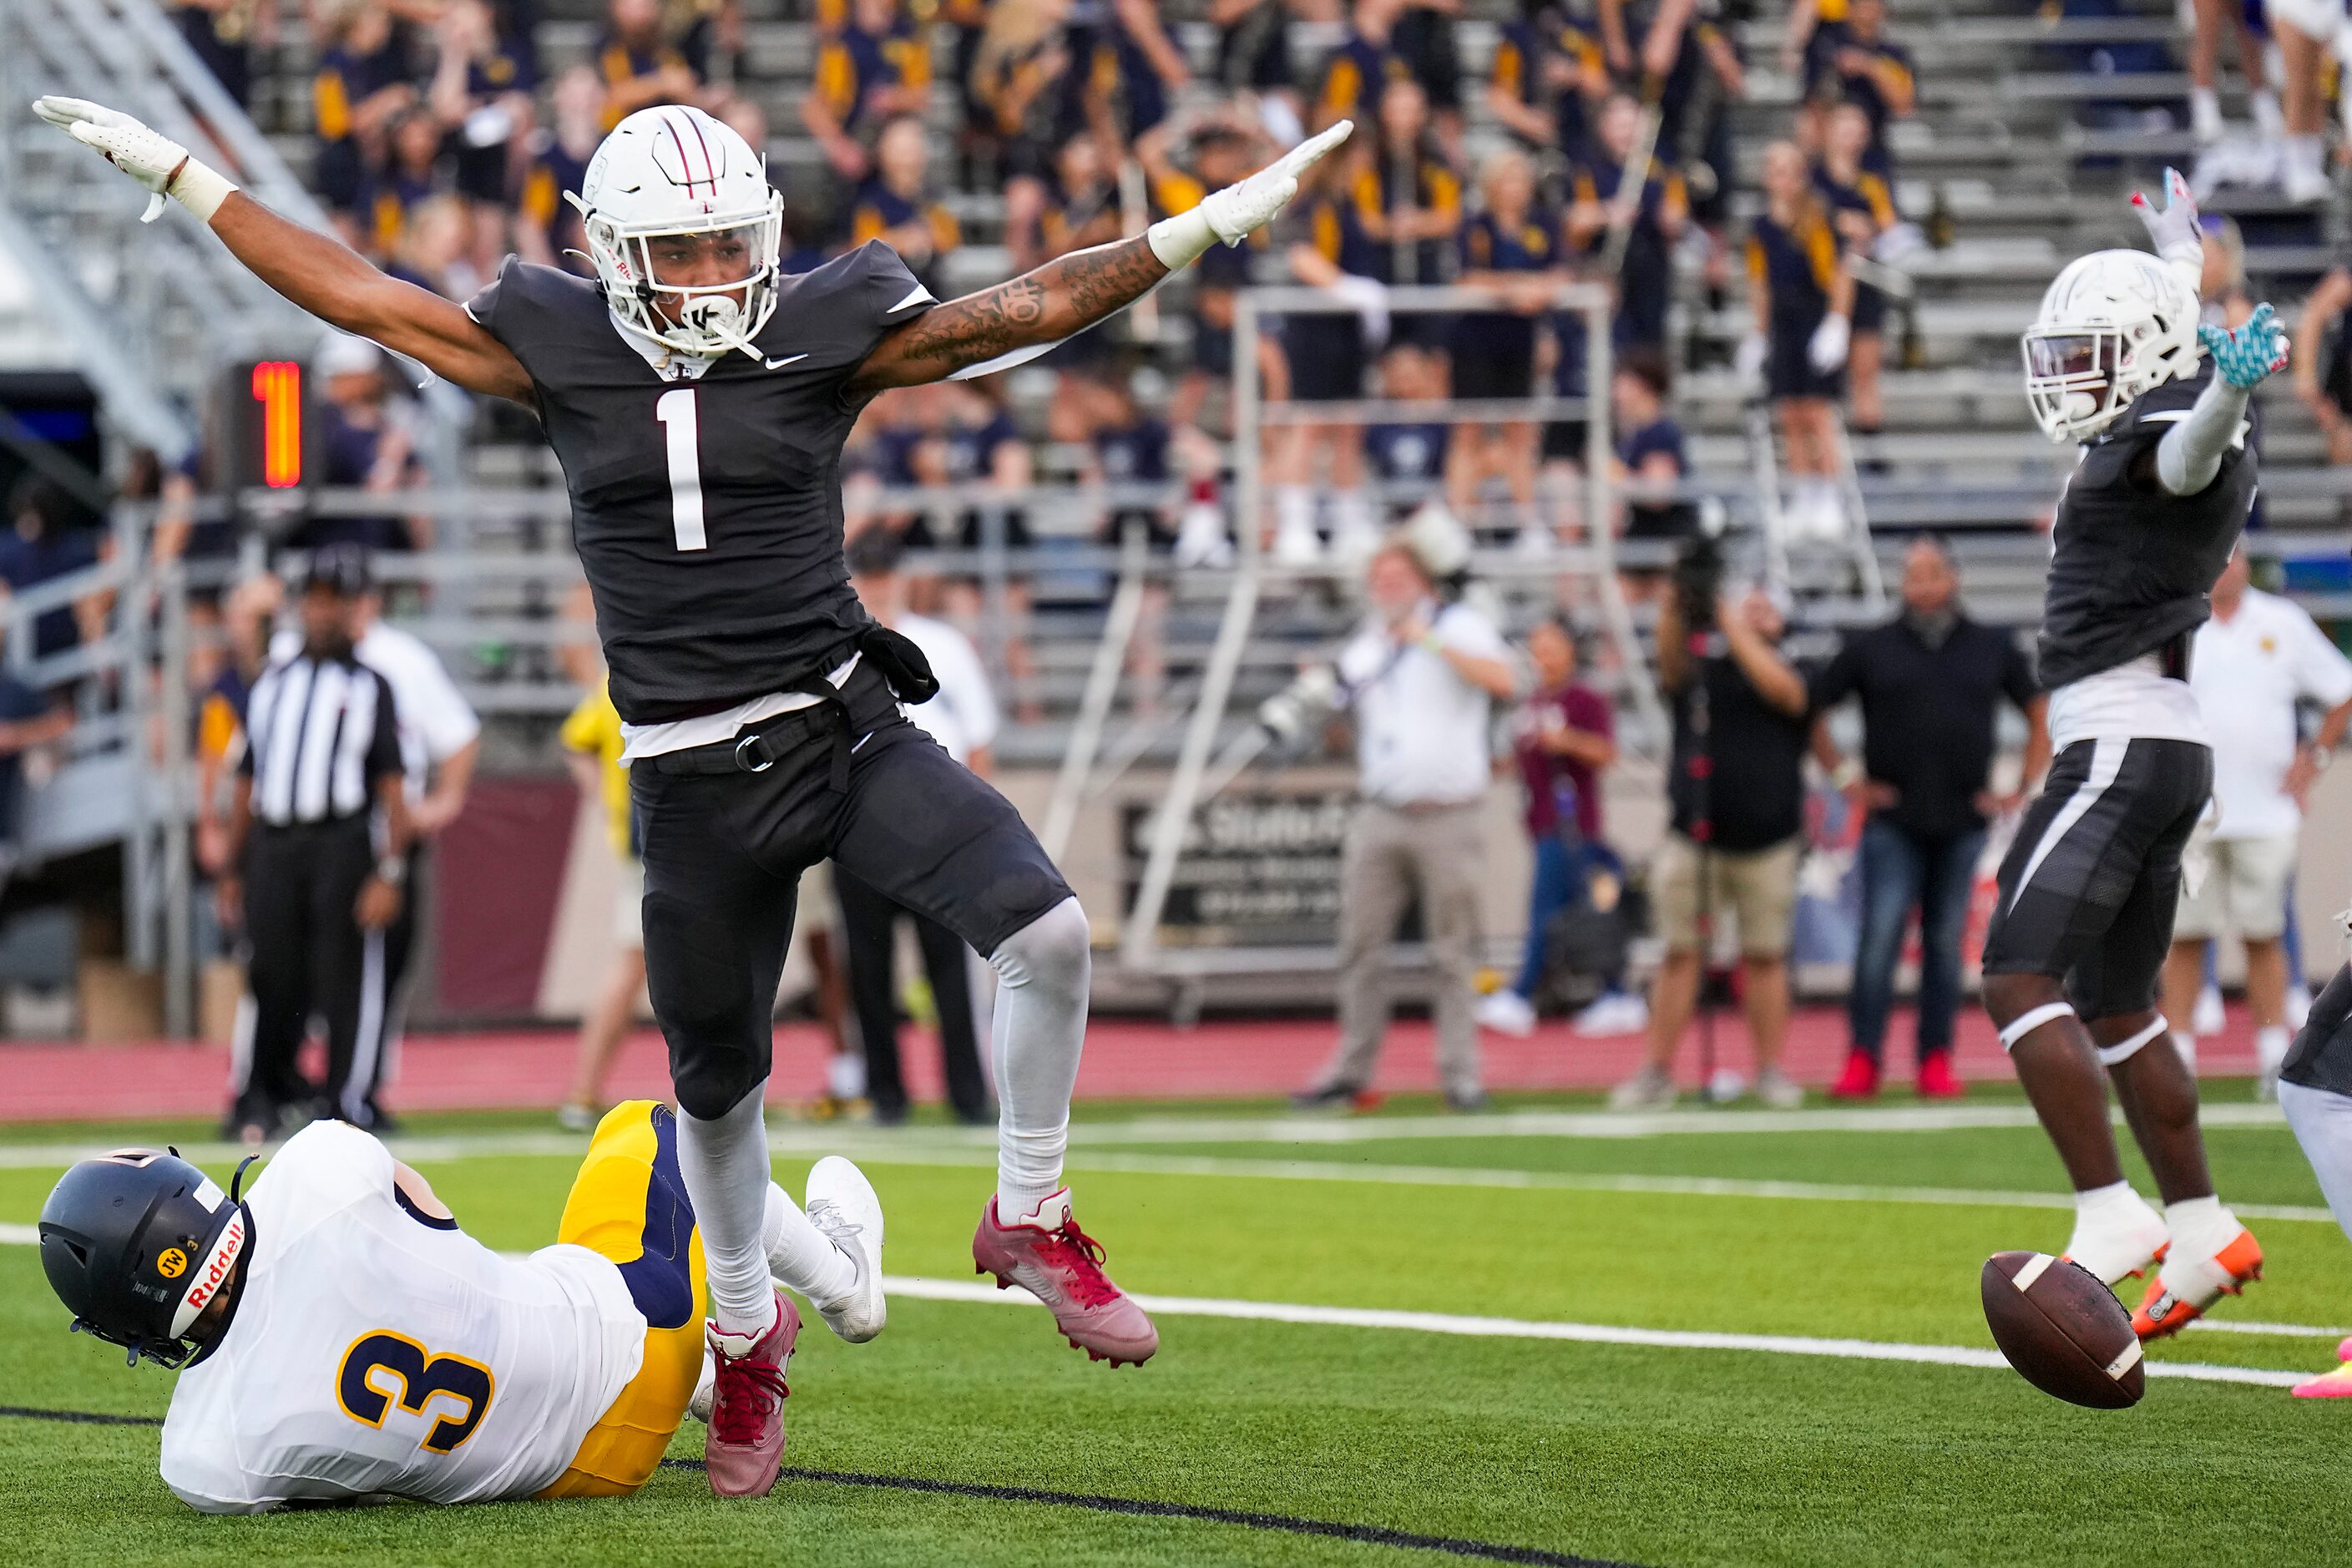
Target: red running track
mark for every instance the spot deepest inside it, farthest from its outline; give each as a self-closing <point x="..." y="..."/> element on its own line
<point x="1125" y="1059"/>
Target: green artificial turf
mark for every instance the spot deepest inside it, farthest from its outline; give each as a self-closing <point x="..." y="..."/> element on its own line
<point x="1652" y="1456"/>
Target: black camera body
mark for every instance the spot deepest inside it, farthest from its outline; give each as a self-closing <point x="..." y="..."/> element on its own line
<point x="1695" y="579"/>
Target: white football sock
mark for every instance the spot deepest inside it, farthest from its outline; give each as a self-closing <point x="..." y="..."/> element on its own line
<point x="2116" y="1231"/>
<point x="725" y="1163"/>
<point x="1043" y="974"/>
<point x="2270" y="1046"/>
<point x="2200" y="1228"/>
<point x="802" y="1255"/>
<point x="845" y="1076"/>
<point x="2101" y="1203"/>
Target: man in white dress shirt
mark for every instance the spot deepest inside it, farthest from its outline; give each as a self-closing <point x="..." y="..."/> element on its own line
<point x="2252" y="665"/>
<point x="1420" y="679"/>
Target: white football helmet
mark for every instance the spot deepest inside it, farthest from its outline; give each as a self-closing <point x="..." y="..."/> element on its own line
<point x="684" y="230"/>
<point x="2115" y="324"/>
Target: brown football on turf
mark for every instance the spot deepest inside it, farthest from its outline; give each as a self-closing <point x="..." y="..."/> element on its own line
<point x="2064" y="1331"/>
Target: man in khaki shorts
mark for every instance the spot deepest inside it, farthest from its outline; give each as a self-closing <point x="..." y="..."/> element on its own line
<point x="1736" y="786"/>
<point x="2253" y="664"/>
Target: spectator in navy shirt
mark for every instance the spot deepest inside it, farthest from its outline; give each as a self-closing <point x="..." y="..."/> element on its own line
<point x="1409" y="459"/>
<point x="1855" y="62"/>
<point x="47" y="538"/>
<point x="1651" y="462"/>
<point x="28" y="717"/>
<point x="548" y="230"/>
<point x="359" y="84"/>
<point x="363" y="445"/>
<point x="1510" y="246"/>
<point x="1130" y="449"/>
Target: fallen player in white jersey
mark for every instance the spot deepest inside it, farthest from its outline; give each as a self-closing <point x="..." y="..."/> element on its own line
<point x="340" y="1338"/>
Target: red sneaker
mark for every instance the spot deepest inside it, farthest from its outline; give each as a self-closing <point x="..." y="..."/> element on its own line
<point x="1859" y="1080"/>
<point x="1047" y="1255"/>
<point x="747" y="1407"/>
<point x="1936" y="1079"/>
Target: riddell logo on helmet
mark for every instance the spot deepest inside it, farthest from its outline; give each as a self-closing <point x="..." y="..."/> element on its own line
<point x="216" y="1268"/>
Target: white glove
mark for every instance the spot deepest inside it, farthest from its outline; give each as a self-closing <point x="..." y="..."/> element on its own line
<point x="156" y="162"/>
<point x="1370" y="299"/>
<point x="1748" y="363"/>
<point x="1830" y="341"/>
<point x="2173" y="229"/>
<point x="1231" y="214"/>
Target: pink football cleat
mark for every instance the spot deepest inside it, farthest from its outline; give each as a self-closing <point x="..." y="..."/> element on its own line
<point x="1047" y="1255"/>
<point x="747" y="1407"/>
<point x="2337" y="1385"/>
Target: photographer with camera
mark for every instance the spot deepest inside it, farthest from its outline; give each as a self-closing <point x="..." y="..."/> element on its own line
<point x="1420" y="679"/>
<point x="1736" y="787"/>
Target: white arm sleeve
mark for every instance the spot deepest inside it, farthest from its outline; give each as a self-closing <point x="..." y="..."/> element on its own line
<point x="2191" y="451"/>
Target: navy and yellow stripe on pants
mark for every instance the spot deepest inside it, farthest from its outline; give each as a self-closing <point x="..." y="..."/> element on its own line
<point x="629" y="1203"/>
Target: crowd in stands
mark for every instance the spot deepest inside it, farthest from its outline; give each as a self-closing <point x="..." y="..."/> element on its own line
<point x="441" y="144"/>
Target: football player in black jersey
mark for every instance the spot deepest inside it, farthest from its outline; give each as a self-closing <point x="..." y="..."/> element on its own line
<point x="2119" y="361"/>
<point x="697" y="400"/>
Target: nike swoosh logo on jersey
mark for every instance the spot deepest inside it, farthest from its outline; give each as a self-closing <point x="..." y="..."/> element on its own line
<point x="780" y="363"/>
<point x="919" y="295"/>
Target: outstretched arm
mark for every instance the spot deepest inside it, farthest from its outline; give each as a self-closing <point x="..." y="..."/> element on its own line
<point x="1073" y="293"/>
<point x="318" y="273"/>
<point x="2190" y="453"/>
<point x="1036" y="310"/>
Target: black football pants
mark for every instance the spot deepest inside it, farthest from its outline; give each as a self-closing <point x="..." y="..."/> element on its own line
<point x="725" y="840"/>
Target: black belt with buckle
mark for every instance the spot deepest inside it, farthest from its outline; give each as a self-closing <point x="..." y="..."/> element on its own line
<point x="826" y="720"/>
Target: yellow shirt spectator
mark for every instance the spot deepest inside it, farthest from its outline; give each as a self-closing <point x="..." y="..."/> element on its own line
<point x="594" y="729"/>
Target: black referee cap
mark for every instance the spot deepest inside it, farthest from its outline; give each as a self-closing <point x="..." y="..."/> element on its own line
<point x="342" y="568"/>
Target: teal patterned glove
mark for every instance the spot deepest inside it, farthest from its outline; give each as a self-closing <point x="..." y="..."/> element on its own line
<point x="2249" y="355"/>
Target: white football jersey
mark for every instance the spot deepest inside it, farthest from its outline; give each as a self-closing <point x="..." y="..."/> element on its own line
<point x="375" y="1351"/>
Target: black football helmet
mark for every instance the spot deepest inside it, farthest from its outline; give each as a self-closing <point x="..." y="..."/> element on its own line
<point x="137" y="1243"/>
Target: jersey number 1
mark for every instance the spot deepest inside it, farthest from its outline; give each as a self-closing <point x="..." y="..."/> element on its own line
<point x="676" y="412"/>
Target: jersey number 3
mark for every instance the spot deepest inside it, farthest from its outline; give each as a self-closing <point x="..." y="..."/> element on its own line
<point x="361" y="1387"/>
<point x="684" y="431"/>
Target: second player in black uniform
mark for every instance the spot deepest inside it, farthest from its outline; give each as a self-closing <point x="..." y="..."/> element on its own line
<point x="2088" y="887"/>
<point x="697" y="400"/>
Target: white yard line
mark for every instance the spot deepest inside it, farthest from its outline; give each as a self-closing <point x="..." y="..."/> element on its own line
<point x="920" y="1150"/>
<point x="917" y="1288"/>
<point x="849" y="1138"/>
<point x="926" y="1289"/>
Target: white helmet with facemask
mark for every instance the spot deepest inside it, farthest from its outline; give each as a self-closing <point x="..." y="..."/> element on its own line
<point x="2114" y="325"/>
<point x="684" y="231"/>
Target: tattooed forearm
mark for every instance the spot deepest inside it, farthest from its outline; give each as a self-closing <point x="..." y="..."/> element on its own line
<point x="975" y="328"/>
<point x="1108" y="278"/>
<point x="1062" y="297"/>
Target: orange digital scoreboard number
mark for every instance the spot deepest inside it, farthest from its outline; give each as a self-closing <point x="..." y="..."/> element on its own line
<point x="278" y="387"/>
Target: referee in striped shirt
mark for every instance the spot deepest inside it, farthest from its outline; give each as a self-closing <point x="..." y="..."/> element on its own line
<point x="318" y="832"/>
